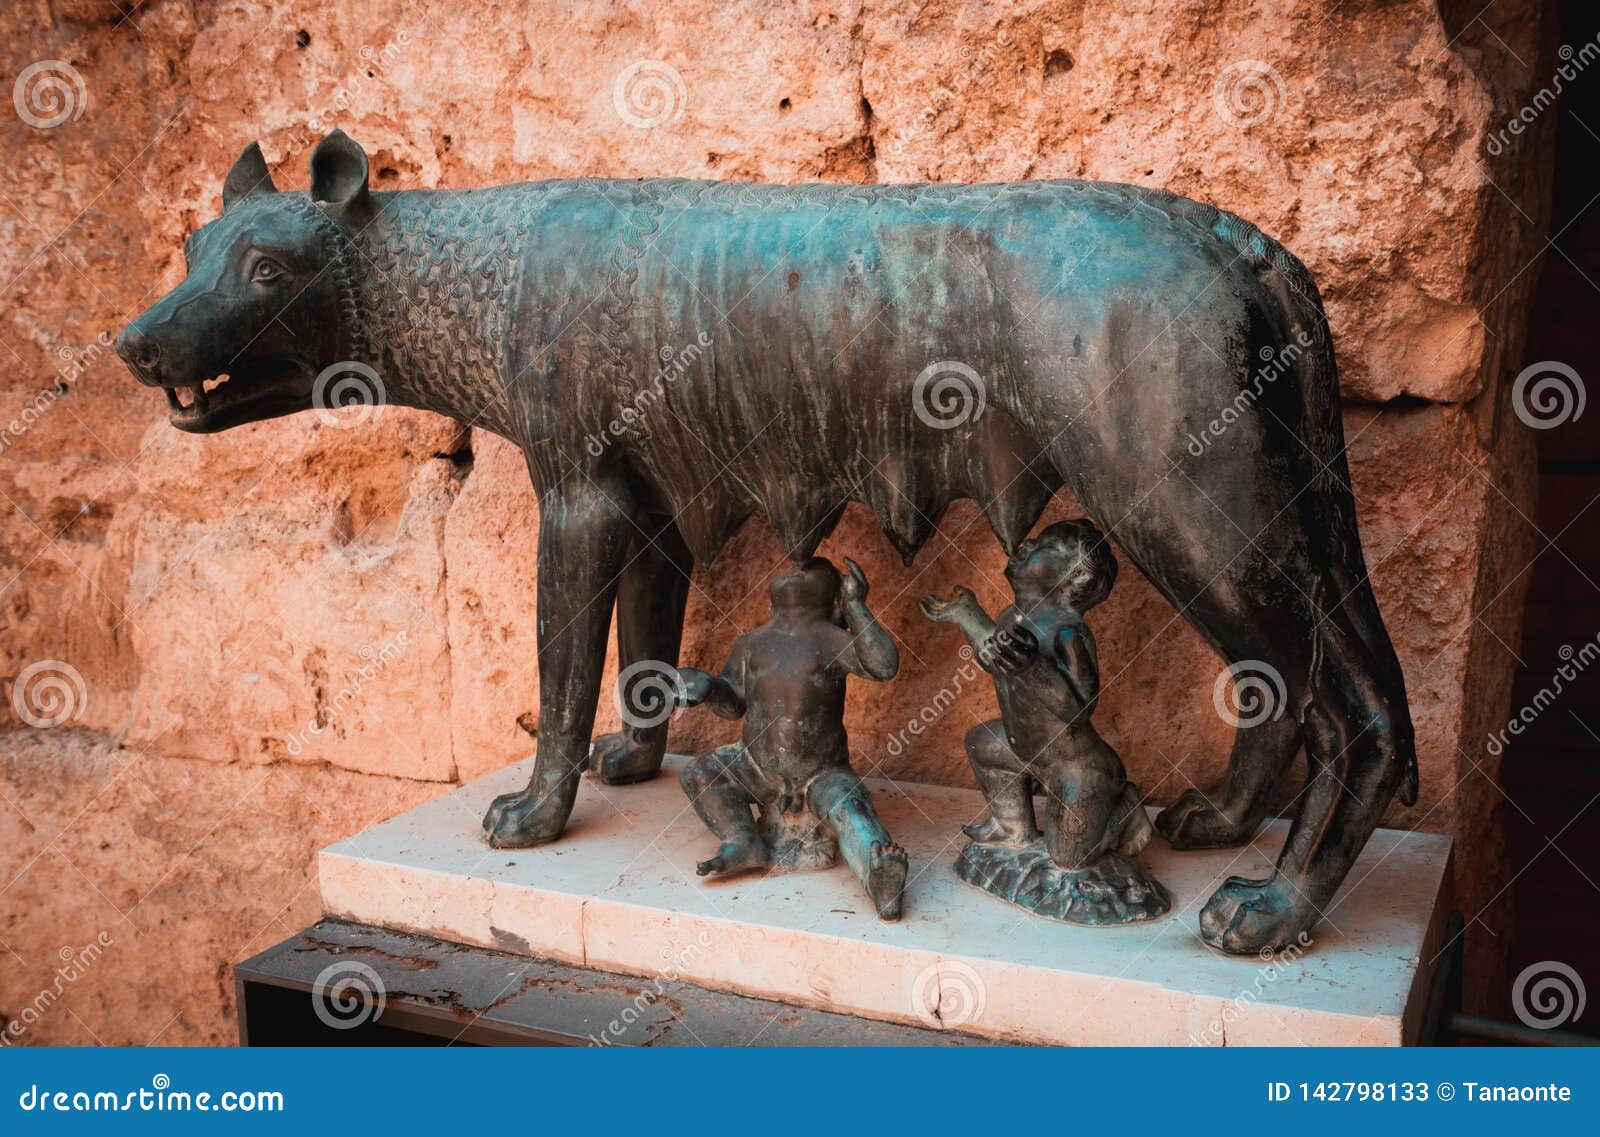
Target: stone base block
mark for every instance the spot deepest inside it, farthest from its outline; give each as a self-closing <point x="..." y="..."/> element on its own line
<point x="619" y="893"/>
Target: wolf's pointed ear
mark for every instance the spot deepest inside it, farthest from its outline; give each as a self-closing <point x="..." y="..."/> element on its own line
<point x="248" y="176"/>
<point x="339" y="175"/>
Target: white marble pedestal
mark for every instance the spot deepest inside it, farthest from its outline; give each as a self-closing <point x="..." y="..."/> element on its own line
<point x="619" y="893"/>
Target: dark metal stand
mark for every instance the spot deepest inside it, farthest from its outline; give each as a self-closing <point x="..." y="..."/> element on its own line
<point x="436" y="993"/>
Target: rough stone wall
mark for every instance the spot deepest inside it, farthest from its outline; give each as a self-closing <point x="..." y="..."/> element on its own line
<point x="289" y="631"/>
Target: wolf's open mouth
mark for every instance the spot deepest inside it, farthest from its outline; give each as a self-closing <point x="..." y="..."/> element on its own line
<point x="228" y="399"/>
<point x="199" y="397"/>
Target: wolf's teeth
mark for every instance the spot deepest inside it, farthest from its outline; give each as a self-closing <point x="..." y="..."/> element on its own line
<point x="199" y="390"/>
<point x="172" y="399"/>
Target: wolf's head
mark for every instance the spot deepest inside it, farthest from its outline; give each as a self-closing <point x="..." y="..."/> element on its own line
<point x="269" y="298"/>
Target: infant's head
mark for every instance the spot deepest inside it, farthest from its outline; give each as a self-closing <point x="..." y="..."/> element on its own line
<point x="809" y="587"/>
<point x="1070" y="562"/>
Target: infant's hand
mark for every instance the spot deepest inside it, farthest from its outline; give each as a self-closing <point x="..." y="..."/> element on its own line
<point x="693" y="687"/>
<point x="854" y="584"/>
<point x="1011" y="648"/>
<point x="944" y="610"/>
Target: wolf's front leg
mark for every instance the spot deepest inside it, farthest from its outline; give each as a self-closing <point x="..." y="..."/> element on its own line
<point x="585" y="528"/>
<point x="651" y="598"/>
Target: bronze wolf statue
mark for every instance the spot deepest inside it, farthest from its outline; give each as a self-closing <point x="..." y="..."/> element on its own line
<point x="1098" y="330"/>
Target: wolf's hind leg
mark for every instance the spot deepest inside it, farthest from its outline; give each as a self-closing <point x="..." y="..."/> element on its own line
<point x="651" y="598"/>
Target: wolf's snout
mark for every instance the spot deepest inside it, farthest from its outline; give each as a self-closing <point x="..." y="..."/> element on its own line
<point x="140" y="353"/>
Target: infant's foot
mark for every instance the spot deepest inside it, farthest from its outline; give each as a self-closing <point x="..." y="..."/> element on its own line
<point x="992" y="831"/>
<point x="735" y="857"/>
<point x="886" y="879"/>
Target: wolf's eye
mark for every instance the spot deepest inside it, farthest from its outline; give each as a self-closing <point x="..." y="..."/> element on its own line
<point x="266" y="270"/>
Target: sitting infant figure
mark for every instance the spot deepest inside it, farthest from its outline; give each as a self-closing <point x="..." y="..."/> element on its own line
<point x="792" y="765"/>
<point x="1047" y="676"/>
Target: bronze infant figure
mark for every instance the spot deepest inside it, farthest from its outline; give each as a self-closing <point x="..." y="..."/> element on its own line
<point x="787" y="680"/>
<point x="1047" y="676"/>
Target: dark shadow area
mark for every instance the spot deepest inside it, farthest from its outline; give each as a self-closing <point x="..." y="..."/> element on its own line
<point x="1551" y="772"/>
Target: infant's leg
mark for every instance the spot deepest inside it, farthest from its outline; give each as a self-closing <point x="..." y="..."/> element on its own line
<point x="1007" y="787"/>
<point x="1132" y="822"/>
<point x="841" y="800"/>
<point x="1080" y="798"/>
<point x="723" y="802"/>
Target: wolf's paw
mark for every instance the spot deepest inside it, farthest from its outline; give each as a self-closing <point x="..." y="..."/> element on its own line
<point x="619" y="760"/>
<point x="520" y="821"/>
<point x="1245" y="917"/>
<point x="1192" y="822"/>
